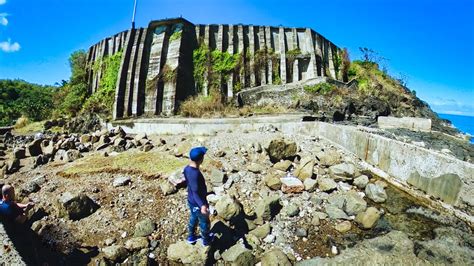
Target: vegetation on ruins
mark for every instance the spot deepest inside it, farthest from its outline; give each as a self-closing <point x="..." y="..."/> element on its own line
<point x="102" y="100"/>
<point x="176" y="35"/>
<point x="320" y="88"/>
<point x="291" y="57"/>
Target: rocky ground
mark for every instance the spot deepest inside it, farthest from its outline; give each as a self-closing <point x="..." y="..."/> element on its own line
<point x="108" y="197"/>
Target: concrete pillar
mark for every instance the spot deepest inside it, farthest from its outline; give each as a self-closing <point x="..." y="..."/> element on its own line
<point x="261" y="41"/>
<point x="332" y="69"/>
<point x="252" y="55"/>
<point x="110" y="42"/>
<point x="154" y="68"/>
<point x="281" y="40"/>
<point x="312" y="67"/>
<point x="220" y="38"/>
<point x="138" y="90"/>
<point x="269" y="47"/>
<point x="240" y="36"/>
<point x="231" y="50"/>
<point x="129" y="84"/>
<point x="294" y="38"/>
<point x="319" y="55"/>
<point x="118" y="108"/>
<point x="296" y="71"/>
<point x="198" y="32"/>
<point x="207" y="35"/>
<point x="169" y="88"/>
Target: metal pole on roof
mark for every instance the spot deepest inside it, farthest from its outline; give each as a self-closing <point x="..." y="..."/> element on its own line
<point x="134" y="13"/>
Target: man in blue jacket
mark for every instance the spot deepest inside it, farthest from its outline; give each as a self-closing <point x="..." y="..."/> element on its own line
<point x="197" y="201"/>
<point x="10" y="210"/>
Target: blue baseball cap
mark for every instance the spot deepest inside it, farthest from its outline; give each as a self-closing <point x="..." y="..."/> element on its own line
<point x="196" y="154"/>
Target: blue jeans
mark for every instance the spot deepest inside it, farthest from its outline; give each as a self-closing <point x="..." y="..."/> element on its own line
<point x="204" y="223"/>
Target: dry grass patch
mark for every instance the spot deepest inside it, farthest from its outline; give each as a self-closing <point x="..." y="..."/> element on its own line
<point x="24" y="127"/>
<point x="150" y="164"/>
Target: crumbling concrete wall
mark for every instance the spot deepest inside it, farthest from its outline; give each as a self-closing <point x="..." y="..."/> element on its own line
<point x="156" y="71"/>
<point x="412" y="123"/>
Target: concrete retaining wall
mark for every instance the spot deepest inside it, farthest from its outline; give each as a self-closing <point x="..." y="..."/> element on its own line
<point x="412" y="123"/>
<point x="438" y="175"/>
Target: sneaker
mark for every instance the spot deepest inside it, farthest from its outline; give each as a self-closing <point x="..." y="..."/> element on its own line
<point x="192" y="239"/>
<point x="208" y="241"/>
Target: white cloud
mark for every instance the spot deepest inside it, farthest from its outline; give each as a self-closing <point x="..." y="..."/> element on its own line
<point x="2" y="2"/>
<point x="9" y="47"/>
<point x="3" y="18"/>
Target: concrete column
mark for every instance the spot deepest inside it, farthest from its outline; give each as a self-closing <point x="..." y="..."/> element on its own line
<point x="110" y="42"/>
<point x="295" y="38"/>
<point x="268" y="46"/>
<point x="220" y="38"/>
<point x="169" y="89"/>
<point x="154" y="68"/>
<point x="240" y="36"/>
<point x="231" y="50"/>
<point x="198" y="31"/>
<point x="319" y="53"/>
<point x="261" y="41"/>
<point x="139" y="91"/>
<point x="332" y="69"/>
<point x="312" y="68"/>
<point x="118" y="108"/>
<point x="207" y="35"/>
<point x="252" y="55"/>
<point x="129" y="84"/>
<point x="296" y="71"/>
<point x="281" y="40"/>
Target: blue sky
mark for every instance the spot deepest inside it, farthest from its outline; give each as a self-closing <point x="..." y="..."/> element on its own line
<point x="429" y="41"/>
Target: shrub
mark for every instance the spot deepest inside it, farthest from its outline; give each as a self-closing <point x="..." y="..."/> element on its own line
<point x="321" y="88"/>
<point x="200" y="105"/>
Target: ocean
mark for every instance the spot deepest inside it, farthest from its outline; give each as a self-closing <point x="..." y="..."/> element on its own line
<point x="461" y="122"/>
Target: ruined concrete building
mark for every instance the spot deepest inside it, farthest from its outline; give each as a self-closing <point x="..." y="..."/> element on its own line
<point x="157" y="70"/>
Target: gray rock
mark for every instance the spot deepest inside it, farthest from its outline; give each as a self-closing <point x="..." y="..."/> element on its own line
<point x="115" y="253"/>
<point x="283" y="165"/>
<point x="272" y="180"/>
<point x="12" y="166"/>
<point x="217" y="177"/>
<point x="368" y="218"/>
<point x="329" y="158"/>
<point x="361" y="181"/>
<point x="301" y="232"/>
<point x="34" y="148"/>
<point x="335" y="213"/>
<point x="85" y="138"/>
<point x="280" y="149"/>
<point x="187" y="254"/>
<point x="305" y="169"/>
<point x="315" y="220"/>
<point x="275" y="257"/>
<point x="76" y="207"/>
<point x="121" y="181"/>
<point x="376" y="193"/>
<point x="255" y="168"/>
<point x="167" y="188"/>
<point x="71" y="155"/>
<point x="292" y="210"/>
<point x="337" y="199"/>
<point x="19" y="153"/>
<point x="119" y="142"/>
<point x="343" y="227"/>
<point x="326" y="184"/>
<point x="147" y="147"/>
<point x="140" y="136"/>
<point x="144" y="228"/>
<point x="136" y="243"/>
<point x="343" y="171"/>
<point x="354" y="203"/>
<point x="310" y="184"/>
<point x="268" y="207"/>
<point x="261" y="231"/>
<point x="239" y="255"/>
<point x="227" y="207"/>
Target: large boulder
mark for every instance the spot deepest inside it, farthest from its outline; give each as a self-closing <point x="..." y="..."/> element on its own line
<point x="19" y="153"/>
<point x="268" y="207"/>
<point x="305" y="169"/>
<point x="275" y="257"/>
<point x="329" y="157"/>
<point x="115" y="253"/>
<point x="335" y="213"/>
<point x="354" y="203"/>
<point x="326" y="184"/>
<point x="280" y="149"/>
<point x="272" y="180"/>
<point x="144" y="228"/>
<point x="167" y="188"/>
<point x="227" y="207"/>
<point x="368" y="218"/>
<point x="71" y="155"/>
<point x="217" y="177"/>
<point x="34" y="148"/>
<point x="291" y="185"/>
<point x="187" y="253"/>
<point x="376" y="193"/>
<point x="76" y="207"/>
<point x="239" y="255"/>
<point x="343" y="171"/>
